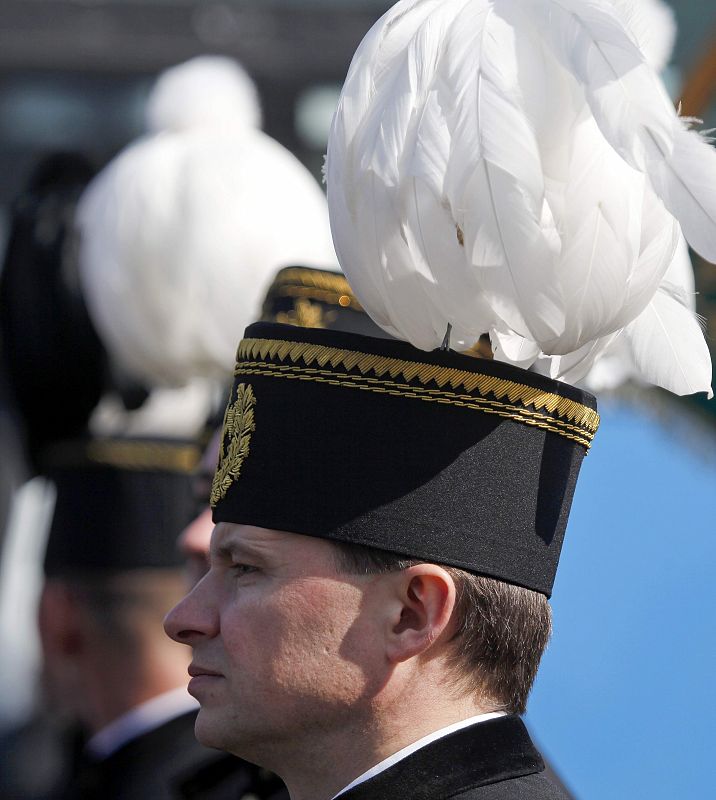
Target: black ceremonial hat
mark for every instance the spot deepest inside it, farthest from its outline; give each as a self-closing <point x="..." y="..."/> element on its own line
<point x="438" y="456"/>
<point x="121" y="503"/>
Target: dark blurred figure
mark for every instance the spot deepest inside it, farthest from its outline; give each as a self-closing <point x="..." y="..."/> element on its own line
<point x="54" y="360"/>
<point x="115" y="720"/>
<point x="47" y="343"/>
<point x="52" y="367"/>
<point x="112" y="571"/>
<point x="13" y="464"/>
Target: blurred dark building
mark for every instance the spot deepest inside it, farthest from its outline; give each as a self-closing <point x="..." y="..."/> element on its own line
<point x="75" y="74"/>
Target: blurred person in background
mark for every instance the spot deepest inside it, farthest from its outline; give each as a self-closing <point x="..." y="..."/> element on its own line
<point x="111" y="573"/>
<point x="53" y="369"/>
<point x="184" y="232"/>
<point x="205" y="206"/>
<point x="205" y="203"/>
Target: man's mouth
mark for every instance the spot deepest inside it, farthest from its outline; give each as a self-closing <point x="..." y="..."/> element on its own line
<point x="196" y="671"/>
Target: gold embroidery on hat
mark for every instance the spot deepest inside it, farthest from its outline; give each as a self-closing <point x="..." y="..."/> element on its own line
<point x="506" y="392"/>
<point x="306" y="314"/>
<point x="314" y="285"/>
<point x="239" y="424"/>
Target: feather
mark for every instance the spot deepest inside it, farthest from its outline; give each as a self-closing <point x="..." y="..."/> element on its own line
<point x="494" y="181"/>
<point x="601" y="227"/>
<point x="512" y="167"/>
<point x="653" y="25"/>
<point x="512" y="348"/>
<point x="668" y="346"/>
<point x="573" y="367"/>
<point x="362" y="173"/>
<point x="634" y="113"/>
<point x="686" y="183"/>
<point x="615" y="365"/>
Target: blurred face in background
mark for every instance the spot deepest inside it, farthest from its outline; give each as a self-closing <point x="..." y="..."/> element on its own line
<point x="194" y="540"/>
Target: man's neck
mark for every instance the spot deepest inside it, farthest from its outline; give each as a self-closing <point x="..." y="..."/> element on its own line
<point x="404" y="752"/>
<point x="333" y="765"/>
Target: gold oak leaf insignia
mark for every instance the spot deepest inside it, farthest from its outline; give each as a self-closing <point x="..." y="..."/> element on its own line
<point x="239" y="424"/>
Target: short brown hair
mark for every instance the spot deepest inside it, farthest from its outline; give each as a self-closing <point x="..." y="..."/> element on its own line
<point x="502" y="629"/>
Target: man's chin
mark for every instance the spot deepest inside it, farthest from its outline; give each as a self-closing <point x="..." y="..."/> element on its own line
<point x="210" y="730"/>
<point x="213" y="729"/>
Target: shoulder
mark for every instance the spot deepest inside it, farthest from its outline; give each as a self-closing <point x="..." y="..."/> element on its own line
<point x="528" y="787"/>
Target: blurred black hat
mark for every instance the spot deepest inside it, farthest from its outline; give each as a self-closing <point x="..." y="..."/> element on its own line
<point x="316" y="298"/>
<point x="121" y="503"/>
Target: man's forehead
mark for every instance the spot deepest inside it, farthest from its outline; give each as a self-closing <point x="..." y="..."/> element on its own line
<point x="229" y="534"/>
<point x="298" y="554"/>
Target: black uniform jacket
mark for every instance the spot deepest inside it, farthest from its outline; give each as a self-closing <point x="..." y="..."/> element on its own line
<point x="493" y="760"/>
<point x="167" y="763"/>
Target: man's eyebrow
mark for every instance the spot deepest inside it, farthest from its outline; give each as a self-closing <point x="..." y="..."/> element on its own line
<point x="233" y="549"/>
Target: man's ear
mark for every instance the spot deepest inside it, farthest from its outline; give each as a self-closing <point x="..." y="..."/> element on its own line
<point x="425" y="595"/>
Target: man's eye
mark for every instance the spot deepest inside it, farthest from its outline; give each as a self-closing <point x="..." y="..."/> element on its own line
<point x="243" y="569"/>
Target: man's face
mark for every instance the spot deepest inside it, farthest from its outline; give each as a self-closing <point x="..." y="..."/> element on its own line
<point x="284" y="645"/>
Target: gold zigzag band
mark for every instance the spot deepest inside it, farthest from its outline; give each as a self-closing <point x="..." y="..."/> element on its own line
<point x="478" y="404"/>
<point x="582" y="419"/>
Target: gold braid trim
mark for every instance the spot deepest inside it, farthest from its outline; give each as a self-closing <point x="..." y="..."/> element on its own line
<point x="499" y="409"/>
<point x="144" y="455"/>
<point x="311" y="354"/>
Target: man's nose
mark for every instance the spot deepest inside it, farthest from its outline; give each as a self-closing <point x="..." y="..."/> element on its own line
<point x="194" y="617"/>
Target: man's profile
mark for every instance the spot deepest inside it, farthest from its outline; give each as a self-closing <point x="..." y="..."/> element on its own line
<point x="390" y="514"/>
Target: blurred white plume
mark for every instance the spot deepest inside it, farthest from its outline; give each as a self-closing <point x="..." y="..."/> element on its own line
<point x="516" y="167"/>
<point x="206" y="91"/>
<point x="182" y="233"/>
<point x="168" y="413"/>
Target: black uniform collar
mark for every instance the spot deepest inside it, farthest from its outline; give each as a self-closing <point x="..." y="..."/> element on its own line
<point x="484" y="753"/>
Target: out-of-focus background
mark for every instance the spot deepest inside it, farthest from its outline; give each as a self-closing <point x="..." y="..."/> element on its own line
<point x="625" y="700"/>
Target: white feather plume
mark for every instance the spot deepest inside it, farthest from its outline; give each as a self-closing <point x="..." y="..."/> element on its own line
<point x="181" y="234"/>
<point x="515" y="167"/>
<point x="653" y="25"/>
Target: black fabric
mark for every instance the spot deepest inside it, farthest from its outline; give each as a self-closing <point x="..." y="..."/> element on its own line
<point x="115" y="517"/>
<point x="168" y="763"/>
<point x="423" y="479"/>
<point x="493" y="760"/>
